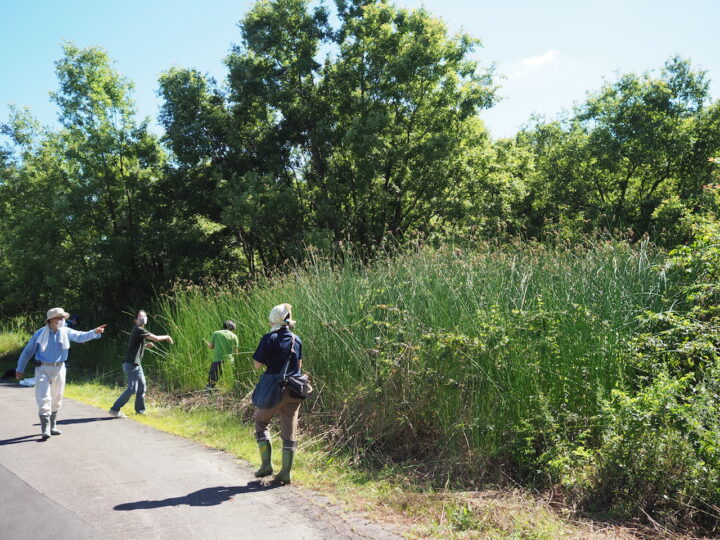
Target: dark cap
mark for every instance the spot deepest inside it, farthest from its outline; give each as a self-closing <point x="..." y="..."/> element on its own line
<point x="229" y="325"/>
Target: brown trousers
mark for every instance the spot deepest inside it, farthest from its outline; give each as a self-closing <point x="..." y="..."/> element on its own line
<point x="289" y="408"/>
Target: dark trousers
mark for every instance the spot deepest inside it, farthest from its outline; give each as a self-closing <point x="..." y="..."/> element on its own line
<point x="216" y="370"/>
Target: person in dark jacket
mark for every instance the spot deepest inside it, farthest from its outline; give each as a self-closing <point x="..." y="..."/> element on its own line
<point x="132" y="366"/>
<point x="276" y="348"/>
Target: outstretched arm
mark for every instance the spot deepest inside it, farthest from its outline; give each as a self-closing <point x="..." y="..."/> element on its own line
<point x="81" y="337"/>
<point x="153" y="337"/>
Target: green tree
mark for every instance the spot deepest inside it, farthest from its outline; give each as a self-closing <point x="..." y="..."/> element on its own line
<point x="406" y="96"/>
<point x="380" y="138"/>
<point x="84" y="199"/>
<point x="35" y="240"/>
<point x="636" y="143"/>
<point x="112" y="164"/>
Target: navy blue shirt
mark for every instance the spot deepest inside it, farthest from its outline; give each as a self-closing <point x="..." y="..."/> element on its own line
<point x="274" y="349"/>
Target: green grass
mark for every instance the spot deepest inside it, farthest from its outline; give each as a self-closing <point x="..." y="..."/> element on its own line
<point x="11" y="345"/>
<point x="458" y="359"/>
<point x="12" y="341"/>
<point x="461" y="368"/>
<point x="386" y="494"/>
<point x="452" y="367"/>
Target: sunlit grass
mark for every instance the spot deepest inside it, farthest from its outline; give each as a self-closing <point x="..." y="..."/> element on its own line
<point x="443" y="352"/>
<point x="433" y="369"/>
<point x="455" y="360"/>
<point x="12" y="341"/>
<point x="384" y="494"/>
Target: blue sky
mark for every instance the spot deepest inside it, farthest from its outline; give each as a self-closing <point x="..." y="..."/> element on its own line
<point x="550" y="53"/>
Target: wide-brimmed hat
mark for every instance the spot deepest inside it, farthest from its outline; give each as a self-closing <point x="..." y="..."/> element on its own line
<point x="56" y="312"/>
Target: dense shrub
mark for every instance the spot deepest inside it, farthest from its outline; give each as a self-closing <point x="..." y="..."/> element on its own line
<point x="658" y="455"/>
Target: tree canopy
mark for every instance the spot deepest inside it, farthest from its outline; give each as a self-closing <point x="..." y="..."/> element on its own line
<point x="362" y="127"/>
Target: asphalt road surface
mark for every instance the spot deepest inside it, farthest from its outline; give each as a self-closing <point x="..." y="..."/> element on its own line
<point x="109" y="478"/>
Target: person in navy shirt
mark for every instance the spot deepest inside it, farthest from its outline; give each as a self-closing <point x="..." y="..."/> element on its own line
<point x="50" y="347"/>
<point x="276" y="348"/>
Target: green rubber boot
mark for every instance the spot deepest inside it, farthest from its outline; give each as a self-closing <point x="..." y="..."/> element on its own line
<point x="44" y="428"/>
<point x="283" y="477"/>
<point x="265" y="454"/>
<point x="53" y="424"/>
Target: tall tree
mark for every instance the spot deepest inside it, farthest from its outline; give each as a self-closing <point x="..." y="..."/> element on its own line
<point x="632" y="145"/>
<point x="84" y="197"/>
<point x="406" y="96"/>
<point x="111" y="164"/>
<point x="377" y="138"/>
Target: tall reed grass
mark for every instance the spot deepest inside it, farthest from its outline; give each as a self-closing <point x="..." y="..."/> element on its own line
<point x="449" y="356"/>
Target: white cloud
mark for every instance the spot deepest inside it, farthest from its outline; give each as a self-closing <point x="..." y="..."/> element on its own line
<point x="543" y="60"/>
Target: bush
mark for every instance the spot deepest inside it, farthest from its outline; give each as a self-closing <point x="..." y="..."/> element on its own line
<point x="658" y="455"/>
<point x="686" y="338"/>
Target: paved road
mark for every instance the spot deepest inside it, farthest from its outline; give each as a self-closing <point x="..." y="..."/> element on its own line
<point x="108" y="478"/>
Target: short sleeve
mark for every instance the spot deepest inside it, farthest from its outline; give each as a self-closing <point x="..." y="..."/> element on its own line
<point x="142" y="332"/>
<point x="261" y="351"/>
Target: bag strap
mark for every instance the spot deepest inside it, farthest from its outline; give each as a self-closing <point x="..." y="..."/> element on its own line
<point x="287" y="362"/>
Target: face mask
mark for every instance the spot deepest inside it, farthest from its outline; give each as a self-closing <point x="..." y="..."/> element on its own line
<point x="61" y="323"/>
<point x="142" y="319"/>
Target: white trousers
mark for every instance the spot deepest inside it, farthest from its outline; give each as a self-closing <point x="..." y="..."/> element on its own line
<point x="49" y="388"/>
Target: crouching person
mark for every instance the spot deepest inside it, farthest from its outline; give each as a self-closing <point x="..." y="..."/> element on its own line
<point x="276" y="348"/>
<point x="224" y="344"/>
<point x="50" y="346"/>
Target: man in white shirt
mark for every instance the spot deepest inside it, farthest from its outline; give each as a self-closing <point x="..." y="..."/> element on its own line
<point x="49" y="346"/>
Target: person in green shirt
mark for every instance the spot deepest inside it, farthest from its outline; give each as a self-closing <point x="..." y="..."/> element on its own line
<point x="224" y="344"/>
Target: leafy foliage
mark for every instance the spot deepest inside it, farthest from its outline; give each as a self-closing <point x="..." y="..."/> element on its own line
<point x="337" y="134"/>
<point x="655" y="453"/>
<point x="686" y="339"/>
<point x="636" y="146"/>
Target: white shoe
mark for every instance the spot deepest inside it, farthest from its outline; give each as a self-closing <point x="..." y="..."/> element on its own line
<point x="117" y="414"/>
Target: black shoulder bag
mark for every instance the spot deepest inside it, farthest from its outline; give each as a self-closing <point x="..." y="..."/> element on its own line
<point x="298" y="385"/>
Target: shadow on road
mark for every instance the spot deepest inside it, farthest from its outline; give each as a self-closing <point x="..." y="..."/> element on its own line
<point x="81" y="420"/>
<point x="204" y="497"/>
<point x="24" y="438"/>
<point x="29" y="438"/>
<point x="85" y="420"/>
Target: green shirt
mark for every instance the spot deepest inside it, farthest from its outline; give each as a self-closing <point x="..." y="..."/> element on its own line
<point x="224" y="343"/>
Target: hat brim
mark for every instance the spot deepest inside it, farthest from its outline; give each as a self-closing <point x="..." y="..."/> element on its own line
<point x="64" y="315"/>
